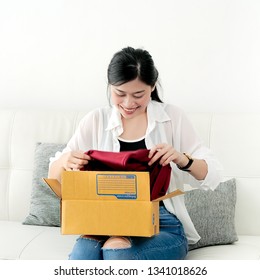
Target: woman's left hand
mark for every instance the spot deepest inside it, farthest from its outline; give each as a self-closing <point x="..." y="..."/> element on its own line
<point x="166" y="153"/>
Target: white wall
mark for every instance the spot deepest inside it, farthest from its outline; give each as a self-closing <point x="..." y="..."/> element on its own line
<point x="55" y="53"/>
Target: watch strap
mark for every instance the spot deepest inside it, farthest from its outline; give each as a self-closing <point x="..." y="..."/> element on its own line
<point x="188" y="165"/>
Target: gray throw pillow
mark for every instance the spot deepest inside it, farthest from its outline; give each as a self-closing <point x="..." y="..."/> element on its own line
<point x="44" y="205"/>
<point x="213" y="213"/>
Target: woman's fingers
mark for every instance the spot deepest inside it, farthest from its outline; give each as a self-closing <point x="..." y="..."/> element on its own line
<point x="76" y="160"/>
<point x="166" y="153"/>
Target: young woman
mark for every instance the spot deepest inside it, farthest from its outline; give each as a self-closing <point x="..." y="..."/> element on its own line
<point x="138" y="119"/>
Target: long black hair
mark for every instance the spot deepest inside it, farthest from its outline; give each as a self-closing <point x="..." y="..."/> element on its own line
<point x="129" y="64"/>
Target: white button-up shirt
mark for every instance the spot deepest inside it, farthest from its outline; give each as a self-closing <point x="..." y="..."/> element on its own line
<point x="100" y="129"/>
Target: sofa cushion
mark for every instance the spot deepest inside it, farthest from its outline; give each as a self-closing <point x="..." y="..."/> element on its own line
<point x="28" y="242"/>
<point x="44" y="205"/>
<point x="235" y="251"/>
<point x="213" y="213"/>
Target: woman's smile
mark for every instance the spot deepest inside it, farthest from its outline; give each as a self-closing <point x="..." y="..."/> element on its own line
<point x="129" y="111"/>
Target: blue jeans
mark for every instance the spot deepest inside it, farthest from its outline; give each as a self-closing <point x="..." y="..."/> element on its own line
<point x="169" y="244"/>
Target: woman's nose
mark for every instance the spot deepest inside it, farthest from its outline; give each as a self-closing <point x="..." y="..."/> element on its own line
<point x="128" y="101"/>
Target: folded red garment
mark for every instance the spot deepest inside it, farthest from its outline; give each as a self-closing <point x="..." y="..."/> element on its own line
<point x="132" y="161"/>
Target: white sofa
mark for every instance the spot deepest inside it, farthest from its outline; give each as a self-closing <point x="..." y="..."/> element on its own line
<point x="234" y="138"/>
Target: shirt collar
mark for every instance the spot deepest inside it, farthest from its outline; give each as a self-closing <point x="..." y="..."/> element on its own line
<point x="114" y="119"/>
<point x="156" y="112"/>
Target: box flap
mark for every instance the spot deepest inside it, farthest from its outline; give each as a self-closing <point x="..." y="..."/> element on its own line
<point x="54" y="185"/>
<point x="169" y="195"/>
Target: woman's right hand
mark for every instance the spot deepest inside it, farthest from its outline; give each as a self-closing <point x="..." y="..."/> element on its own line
<point x="74" y="160"/>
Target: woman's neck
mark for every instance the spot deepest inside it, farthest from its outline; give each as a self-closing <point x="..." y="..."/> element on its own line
<point x="134" y="128"/>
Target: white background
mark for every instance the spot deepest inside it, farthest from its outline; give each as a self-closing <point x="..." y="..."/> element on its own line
<point x="54" y="53"/>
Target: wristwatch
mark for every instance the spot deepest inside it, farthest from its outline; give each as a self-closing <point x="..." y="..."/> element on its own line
<point x="188" y="165"/>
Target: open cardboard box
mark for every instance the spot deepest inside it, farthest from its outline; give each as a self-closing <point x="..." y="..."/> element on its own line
<point x="107" y="203"/>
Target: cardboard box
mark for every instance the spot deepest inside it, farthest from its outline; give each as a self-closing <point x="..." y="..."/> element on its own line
<point x="107" y="203"/>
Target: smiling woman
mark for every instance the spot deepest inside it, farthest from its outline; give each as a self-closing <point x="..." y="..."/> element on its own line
<point x="137" y="120"/>
<point x="132" y="77"/>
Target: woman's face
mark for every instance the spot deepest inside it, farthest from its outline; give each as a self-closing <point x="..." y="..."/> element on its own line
<point x="131" y="98"/>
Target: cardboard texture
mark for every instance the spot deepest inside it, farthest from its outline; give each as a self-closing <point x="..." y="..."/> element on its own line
<point x="107" y="203"/>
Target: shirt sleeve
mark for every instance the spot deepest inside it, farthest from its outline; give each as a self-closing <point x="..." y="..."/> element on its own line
<point x="188" y="141"/>
<point x="85" y="136"/>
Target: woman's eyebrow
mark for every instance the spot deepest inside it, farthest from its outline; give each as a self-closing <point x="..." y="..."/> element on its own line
<point x="139" y="91"/>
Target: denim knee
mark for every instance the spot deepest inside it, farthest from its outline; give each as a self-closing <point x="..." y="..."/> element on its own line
<point x="86" y="249"/>
<point x="118" y="254"/>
